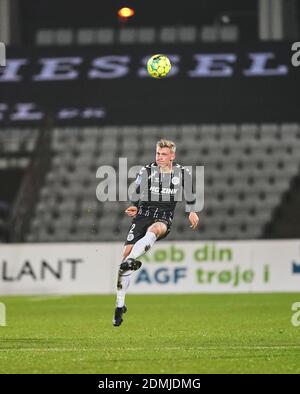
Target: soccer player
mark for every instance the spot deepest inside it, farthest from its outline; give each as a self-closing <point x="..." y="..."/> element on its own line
<point x="158" y="187"/>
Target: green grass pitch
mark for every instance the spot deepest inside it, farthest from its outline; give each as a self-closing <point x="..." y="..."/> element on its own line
<point x="250" y="333"/>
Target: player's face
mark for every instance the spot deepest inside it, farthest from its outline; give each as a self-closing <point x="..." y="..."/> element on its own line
<point x="164" y="157"/>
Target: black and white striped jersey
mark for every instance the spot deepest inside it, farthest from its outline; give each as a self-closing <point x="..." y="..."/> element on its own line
<point x="156" y="193"/>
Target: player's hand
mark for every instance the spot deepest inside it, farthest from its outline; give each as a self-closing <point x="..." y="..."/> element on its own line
<point x="194" y="220"/>
<point x="131" y="211"/>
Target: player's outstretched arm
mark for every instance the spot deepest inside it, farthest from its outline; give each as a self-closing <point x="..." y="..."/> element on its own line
<point x="194" y="220"/>
<point x="131" y="211"/>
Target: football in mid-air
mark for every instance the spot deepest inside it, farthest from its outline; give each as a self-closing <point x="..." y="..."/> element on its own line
<point x="159" y="66"/>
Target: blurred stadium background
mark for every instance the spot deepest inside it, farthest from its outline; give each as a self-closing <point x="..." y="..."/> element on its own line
<point x="75" y="95"/>
<point x="60" y="122"/>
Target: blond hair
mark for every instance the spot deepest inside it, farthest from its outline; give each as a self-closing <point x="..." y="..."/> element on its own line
<point x="166" y="144"/>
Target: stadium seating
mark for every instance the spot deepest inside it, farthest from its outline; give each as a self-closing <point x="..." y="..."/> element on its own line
<point x="138" y="35"/>
<point x="248" y="168"/>
<point x="18" y="140"/>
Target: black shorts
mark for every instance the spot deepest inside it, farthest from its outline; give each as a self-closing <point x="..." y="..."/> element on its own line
<point x="140" y="225"/>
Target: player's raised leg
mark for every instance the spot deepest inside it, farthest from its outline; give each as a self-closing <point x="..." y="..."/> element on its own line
<point x="154" y="232"/>
<point x="123" y="279"/>
<point x="122" y="285"/>
<point x="130" y="264"/>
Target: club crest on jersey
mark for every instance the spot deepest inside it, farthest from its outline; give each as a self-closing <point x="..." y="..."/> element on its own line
<point x="175" y="180"/>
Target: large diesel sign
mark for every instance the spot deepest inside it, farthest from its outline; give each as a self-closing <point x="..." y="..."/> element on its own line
<point x="111" y="85"/>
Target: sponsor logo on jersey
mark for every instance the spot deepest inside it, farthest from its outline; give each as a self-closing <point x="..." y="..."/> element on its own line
<point x="164" y="190"/>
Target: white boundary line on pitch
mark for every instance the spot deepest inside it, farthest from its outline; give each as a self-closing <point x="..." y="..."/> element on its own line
<point x="47" y="298"/>
<point x="161" y="348"/>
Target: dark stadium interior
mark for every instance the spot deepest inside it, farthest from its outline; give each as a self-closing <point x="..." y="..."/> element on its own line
<point x="43" y="14"/>
<point x="113" y="112"/>
<point x="239" y="117"/>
